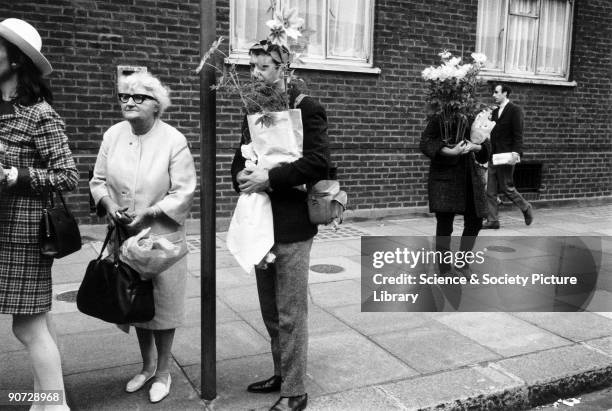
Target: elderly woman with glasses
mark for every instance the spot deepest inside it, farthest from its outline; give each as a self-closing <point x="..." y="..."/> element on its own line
<point x="145" y="177"/>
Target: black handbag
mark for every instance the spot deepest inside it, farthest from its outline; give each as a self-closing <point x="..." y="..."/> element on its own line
<point x="113" y="291"/>
<point x="59" y="233"/>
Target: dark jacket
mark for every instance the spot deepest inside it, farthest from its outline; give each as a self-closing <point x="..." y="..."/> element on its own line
<point x="507" y="135"/>
<point x="448" y="176"/>
<point x="289" y="209"/>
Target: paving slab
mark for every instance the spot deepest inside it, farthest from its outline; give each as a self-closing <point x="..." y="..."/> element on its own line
<point x="98" y="349"/>
<point x="370" y="323"/>
<point x="240" y="299"/>
<point x="345" y="360"/>
<point x="335" y="294"/>
<point x="466" y="388"/>
<point x="77" y="322"/>
<point x="500" y="332"/>
<point x="68" y="273"/>
<point x="8" y="341"/>
<point x="325" y="249"/>
<point x="193" y="312"/>
<point x="16" y="372"/>
<point x="319" y="322"/>
<point x="434" y="347"/>
<point x="372" y="398"/>
<point x="556" y="363"/>
<point x="234" y="339"/>
<point x="104" y="389"/>
<point x="579" y="326"/>
<point x="604" y="345"/>
<point x="233" y="277"/>
<point x="233" y="376"/>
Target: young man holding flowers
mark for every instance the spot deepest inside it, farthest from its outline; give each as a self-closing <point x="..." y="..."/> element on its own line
<point x="282" y="286"/>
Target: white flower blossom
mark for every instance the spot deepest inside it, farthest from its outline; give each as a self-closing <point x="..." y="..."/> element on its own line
<point x="454" y="61"/>
<point x="479" y="58"/>
<point x="285" y="23"/>
<point x="444" y="54"/>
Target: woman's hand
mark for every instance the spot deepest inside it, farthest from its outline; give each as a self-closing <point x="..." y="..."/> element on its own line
<point x="140" y="219"/>
<point x="114" y="213"/>
<point x="472" y="146"/>
<point x="457" y="150"/>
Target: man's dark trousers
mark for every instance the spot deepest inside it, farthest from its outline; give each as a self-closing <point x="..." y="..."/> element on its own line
<point x="500" y="180"/>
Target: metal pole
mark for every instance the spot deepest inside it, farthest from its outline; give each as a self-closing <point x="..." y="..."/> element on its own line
<point x="207" y="205"/>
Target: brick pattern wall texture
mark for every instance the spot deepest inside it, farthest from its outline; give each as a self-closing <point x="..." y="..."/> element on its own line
<point x="375" y="121"/>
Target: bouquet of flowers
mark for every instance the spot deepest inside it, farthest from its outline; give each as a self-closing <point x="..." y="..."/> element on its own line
<point x="450" y="96"/>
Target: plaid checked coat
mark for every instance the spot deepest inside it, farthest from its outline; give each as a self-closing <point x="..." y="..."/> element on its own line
<point x="35" y="143"/>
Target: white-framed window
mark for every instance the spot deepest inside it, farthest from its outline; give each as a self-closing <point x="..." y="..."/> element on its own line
<point x="339" y="32"/>
<point x="525" y="39"/>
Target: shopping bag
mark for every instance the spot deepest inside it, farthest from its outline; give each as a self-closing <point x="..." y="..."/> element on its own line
<point x="153" y="254"/>
<point x="251" y="232"/>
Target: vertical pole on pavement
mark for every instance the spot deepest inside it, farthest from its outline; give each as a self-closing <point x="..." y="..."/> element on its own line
<point x="208" y="384"/>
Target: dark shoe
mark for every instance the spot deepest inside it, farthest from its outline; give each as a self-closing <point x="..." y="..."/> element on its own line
<point x="491" y="225"/>
<point x="292" y="403"/>
<point x="528" y="214"/>
<point x="263" y="387"/>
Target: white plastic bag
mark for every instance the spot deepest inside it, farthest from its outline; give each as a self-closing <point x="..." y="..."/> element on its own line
<point x="481" y="127"/>
<point x="251" y="232"/>
<point x="154" y="254"/>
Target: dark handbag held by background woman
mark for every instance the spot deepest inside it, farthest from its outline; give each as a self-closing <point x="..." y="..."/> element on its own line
<point x="59" y="233"/>
<point x="113" y="291"/>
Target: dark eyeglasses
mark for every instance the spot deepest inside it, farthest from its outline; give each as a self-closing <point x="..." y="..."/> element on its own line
<point x="138" y="98"/>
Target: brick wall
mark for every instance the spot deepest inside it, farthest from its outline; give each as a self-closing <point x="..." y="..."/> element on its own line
<point x="374" y="120"/>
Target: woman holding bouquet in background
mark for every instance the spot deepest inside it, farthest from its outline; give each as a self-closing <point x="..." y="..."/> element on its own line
<point x="456" y="183"/>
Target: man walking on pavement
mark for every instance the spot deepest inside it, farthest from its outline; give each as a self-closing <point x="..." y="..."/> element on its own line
<point x="506" y="136"/>
<point x="283" y="285"/>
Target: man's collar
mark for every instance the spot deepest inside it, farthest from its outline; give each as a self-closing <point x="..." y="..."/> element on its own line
<point x="502" y="105"/>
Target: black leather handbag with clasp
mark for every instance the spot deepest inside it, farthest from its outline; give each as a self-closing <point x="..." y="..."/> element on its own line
<point x="58" y="233"/>
<point x="113" y="291"/>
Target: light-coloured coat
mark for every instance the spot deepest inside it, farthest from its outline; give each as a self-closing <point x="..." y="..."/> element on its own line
<point x="141" y="171"/>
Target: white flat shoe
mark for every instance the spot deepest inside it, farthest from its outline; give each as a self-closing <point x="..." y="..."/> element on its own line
<point x="137" y="382"/>
<point x="159" y="390"/>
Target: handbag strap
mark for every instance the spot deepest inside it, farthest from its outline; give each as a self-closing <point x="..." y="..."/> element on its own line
<point x="47" y="195"/>
<point x="106" y="240"/>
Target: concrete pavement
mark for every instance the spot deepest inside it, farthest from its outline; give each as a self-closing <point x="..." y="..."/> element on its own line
<point x="369" y="361"/>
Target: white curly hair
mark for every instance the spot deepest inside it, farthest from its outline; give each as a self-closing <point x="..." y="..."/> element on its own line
<point x="151" y="84"/>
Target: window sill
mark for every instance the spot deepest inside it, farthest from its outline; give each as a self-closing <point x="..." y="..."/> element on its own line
<point x="526" y="80"/>
<point x="347" y="67"/>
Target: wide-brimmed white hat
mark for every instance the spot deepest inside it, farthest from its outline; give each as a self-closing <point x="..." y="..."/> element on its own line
<point x="26" y="38"/>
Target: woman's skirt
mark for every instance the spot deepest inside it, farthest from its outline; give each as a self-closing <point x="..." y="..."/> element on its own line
<point x="25" y="279"/>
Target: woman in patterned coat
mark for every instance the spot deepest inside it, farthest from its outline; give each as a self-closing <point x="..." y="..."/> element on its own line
<point x="34" y="152"/>
<point x="145" y="177"/>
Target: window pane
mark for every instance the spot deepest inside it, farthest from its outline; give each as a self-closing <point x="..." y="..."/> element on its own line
<point x="312" y="11"/>
<point x="553" y="37"/>
<point x="348" y="28"/>
<point x="524" y="7"/>
<point x="522" y="34"/>
<point x="250" y="18"/>
<point x="490" y="31"/>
